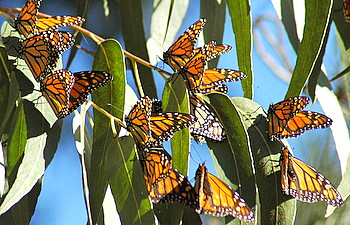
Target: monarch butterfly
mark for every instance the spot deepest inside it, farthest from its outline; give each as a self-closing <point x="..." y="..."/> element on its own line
<point x="192" y="71"/>
<point x="182" y="50"/>
<point x="84" y="84"/>
<point x="346" y="10"/>
<point x="156" y="165"/>
<point x="27" y="22"/>
<point x="207" y="125"/>
<point x="218" y="199"/>
<point x="213" y="78"/>
<point x="164" y="125"/>
<point x="66" y="91"/>
<point x="151" y="130"/>
<point x="53" y="23"/>
<point x="165" y="183"/>
<point x="26" y="19"/>
<point x="286" y="118"/>
<point x="304" y="183"/>
<point x="56" y="88"/>
<point x="138" y="121"/>
<point x="41" y="51"/>
<point x="175" y="187"/>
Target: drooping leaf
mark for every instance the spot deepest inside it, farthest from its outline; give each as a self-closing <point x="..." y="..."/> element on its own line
<point x="135" y="40"/>
<point x="242" y="26"/>
<point x="275" y="207"/>
<point x="128" y="185"/>
<point x="109" y="58"/>
<point x="215" y="12"/>
<point x="317" y="19"/>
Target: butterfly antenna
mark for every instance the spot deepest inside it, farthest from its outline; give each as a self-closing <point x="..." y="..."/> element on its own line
<point x="194" y="147"/>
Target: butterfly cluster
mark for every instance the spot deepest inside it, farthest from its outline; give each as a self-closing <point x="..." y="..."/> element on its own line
<point x="150" y="127"/>
<point x="190" y="63"/>
<point x="43" y="44"/>
<point x="288" y="119"/>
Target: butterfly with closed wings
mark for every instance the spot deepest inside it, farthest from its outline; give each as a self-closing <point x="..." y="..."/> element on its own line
<point x="208" y="124"/>
<point x="165" y="183"/>
<point x="218" y="199"/>
<point x="304" y="183"/>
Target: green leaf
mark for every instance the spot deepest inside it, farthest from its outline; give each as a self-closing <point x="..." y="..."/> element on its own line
<point x="26" y="206"/>
<point x="215" y="12"/>
<point x="17" y="139"/>
<point x="232" y="157"/>
<point x="29" y="172"/>
<point x="135" y="41"/>
<point x="275" y="207"/>
<point x="109" y="58"/>
<point x="317" y="20"/>
<point x="128" y="185"/>
<point x="175" y="99"/>
<point x="4" y="81"/>
<point x="241" y="22"/>
<point x="164" y="31"/>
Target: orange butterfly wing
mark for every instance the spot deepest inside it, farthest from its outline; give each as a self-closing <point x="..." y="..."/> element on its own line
<point x="41" y="51"/>
<point x="156" y="165"/>
<point x="218" y="199"/>
<point x="56" y="88"/>
<point x="138" y="121"/>
<point x="303" y="121"/>
<point x="26" y="19"/>
<point x="214" y="78"/>
<point x="346" y="10"/>
<point x="304" y="183"/>
<point x="53" y="23"/>
<point x="164" y="125"/>
<point x="217" y="50"/>
<point x="207" y="124"/>
<point x="192" y="71"/>
<point x="280" y="113"/>
<point x="285" y="119"/>
<point x="182" y="50"/>
<point x="84" y="84"/>
<point x="165" y="183"/>
<point x="174" y="188"/>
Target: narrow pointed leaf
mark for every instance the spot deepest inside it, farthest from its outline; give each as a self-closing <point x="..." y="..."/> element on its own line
<point x="242" y="26"/>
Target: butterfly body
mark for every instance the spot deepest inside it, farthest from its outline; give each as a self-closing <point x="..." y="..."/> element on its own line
<point x="304" y="183"/>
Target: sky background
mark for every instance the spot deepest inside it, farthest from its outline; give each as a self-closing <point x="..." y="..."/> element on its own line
<point x="61" y="200"/>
